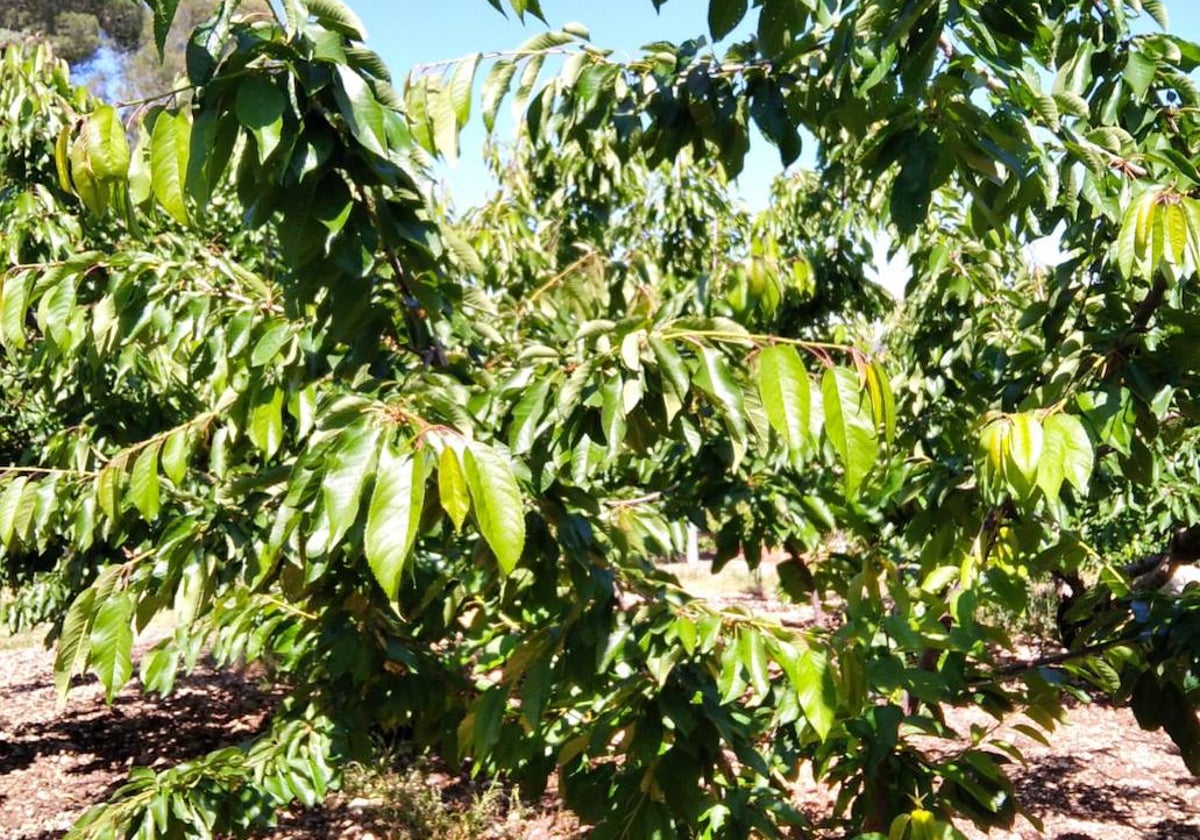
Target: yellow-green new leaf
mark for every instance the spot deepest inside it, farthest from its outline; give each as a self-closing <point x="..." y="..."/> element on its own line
<point x="394" y="516"/>
<point x="452" y="487"/>
<point x="849" y="430"/>
<point x="1175" y="232"/>
<point x="1078" y="456"/>
<point x="108" y="148"/>
<point x="170" y="147"/>
<point x="815" y="689"/>
<point x="497" y="501"/>
<point x="786" y="393"/>
<point x="1025" y="445"/>
<point x="993" y="443"/>
<point x="87" y="187"/>
<point x="266" y="420"/>
<point x="1050" y="466"/>
<point x="176" y="453"/>
<point x="883" y="402"/>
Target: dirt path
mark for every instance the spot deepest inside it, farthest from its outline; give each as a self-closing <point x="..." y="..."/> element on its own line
<point x="1105" y="779"/>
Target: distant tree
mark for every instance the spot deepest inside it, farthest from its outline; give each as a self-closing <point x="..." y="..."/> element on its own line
<point x="76" y="28"/>
<point x="146" y="73"/>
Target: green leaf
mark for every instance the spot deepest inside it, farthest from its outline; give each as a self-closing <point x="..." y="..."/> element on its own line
<point x="72" y="651"/>
<point x="259" y="108"/>
<point x="271" y="342"/>
<point x="394" y="516"/>
<point x="207" y="43"/>
<point x="141" y="183"/>
<point x="612" y="414"/>
<point x="495" y="88"/>
<point x="111" y="643"/>
<point x="1050" y="466"/>
<point x="347" y="471"/>
<point x="176" y="453"/>
<point x="529" y="77"/>
<point x="786" y="393"/>
<point x="170" y="146"/>
<point x="108" y="147"/>
<point x="1139" y="73"/>
<point x="496" y="497"/>
<point x="87" y="187"/>
<point x="724" y="16"/>
<point x="143" y="482"/>
<point x="527" y="415"/>
<point x="361" y="110"/>
<point x="753" y="652"/>
<point x="1078" y="456"/>
<point x="159" y="667"/>
<point x="815" y="690"/>
<point x="675" y="379"/>
<point x="62" y="158"/>
<point x="14" y="303"/>
<point x="1025" y="445"/>
<point x="715" y="379"/>
<point x="443" y="119"/>
<point x="848" y="430"/>
<point x="266" y="419"/>
<point x="452" y="487"/>
<point x="461" y="85"/>
<point x="883" y="403"/>
<point x="1175" y="232"/>
<point x="54" y="311"/>
<point x="335" y="15"/>
<point x="10" y="501"/>
<point x="164" y="16"/>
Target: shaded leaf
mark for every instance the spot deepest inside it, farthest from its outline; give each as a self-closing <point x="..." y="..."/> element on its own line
<point x="347" y="471"/>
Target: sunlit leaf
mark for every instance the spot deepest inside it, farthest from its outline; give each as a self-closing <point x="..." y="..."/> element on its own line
<point x="394" y="516"/>
<point x="452" y="486"/>
<point x="496" y="499"/>
<point x="110" y="643"/>
<point x="786" y="393"/>
<point x="849" y="430"/>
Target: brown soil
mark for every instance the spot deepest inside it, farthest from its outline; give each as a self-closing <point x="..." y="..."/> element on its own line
<point x="1105" y="778"/>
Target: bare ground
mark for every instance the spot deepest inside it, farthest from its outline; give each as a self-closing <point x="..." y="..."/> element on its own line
<point x="1105" y="779"/>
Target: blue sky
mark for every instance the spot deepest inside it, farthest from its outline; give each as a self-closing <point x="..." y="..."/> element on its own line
<point x="407" y="33"/>
<point x="410" y="33"/>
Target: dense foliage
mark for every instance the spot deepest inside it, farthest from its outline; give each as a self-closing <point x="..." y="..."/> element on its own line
<point x="260" y="384"/>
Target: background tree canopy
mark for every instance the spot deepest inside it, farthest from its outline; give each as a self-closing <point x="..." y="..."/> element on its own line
<point x="75" y="27"/>
<point x="259" y="383"/>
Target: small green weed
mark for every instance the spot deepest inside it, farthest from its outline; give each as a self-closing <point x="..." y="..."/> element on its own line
<point x="409" y="799"/>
